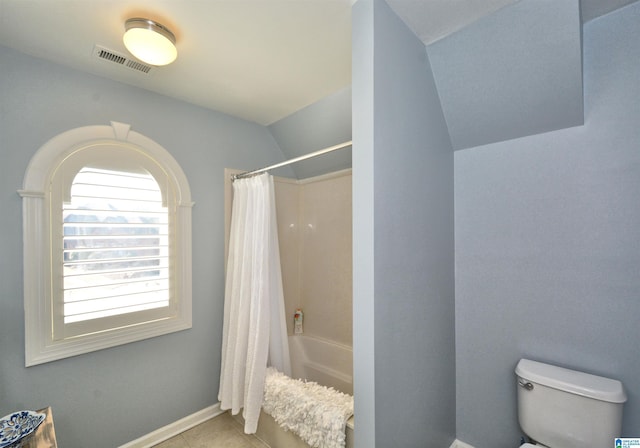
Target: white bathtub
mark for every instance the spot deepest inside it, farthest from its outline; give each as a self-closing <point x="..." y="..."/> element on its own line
<point x="325" y="362"/>
<point x="314" y="359"/>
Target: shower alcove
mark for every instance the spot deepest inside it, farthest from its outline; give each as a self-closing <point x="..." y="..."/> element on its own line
<point x="315" y="237"/>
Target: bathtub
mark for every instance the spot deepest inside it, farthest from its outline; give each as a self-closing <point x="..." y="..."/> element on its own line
<point x="314" y="359"/>
<point x="325" y="362"/>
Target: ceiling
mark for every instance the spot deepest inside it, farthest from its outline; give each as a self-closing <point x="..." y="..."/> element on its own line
<point x="260" y="60"/>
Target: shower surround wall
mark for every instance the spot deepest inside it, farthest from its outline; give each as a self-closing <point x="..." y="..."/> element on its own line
<point x="315" y="235"/>
<point x="314" y="228"/>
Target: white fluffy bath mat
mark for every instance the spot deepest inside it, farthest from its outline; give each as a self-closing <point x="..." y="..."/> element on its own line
<point x="317" y="414"/>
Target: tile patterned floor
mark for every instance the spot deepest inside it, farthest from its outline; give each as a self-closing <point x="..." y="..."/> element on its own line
<point x="221" y="431"/>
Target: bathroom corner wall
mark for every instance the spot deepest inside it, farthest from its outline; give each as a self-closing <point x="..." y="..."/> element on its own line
<point x="403" y="251"/>
<point x="547" y="234"/>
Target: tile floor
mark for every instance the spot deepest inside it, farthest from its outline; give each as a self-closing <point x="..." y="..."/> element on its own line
<point x="221" y="431"/>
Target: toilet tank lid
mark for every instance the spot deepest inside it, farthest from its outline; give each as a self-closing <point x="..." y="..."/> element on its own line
<point x="571" y="381"/>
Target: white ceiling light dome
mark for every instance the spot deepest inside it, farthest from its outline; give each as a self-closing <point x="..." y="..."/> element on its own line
<point x="150" y="41"/>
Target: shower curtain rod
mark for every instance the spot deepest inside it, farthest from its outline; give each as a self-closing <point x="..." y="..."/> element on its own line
<point x="290" y="161"/>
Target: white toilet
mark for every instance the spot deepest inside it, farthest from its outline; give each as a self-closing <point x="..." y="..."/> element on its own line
<point x="562" y="408"/>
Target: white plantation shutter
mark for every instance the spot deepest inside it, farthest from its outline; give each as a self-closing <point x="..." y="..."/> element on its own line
<point x="115" y="246"/>
<point x="107" y="243"/>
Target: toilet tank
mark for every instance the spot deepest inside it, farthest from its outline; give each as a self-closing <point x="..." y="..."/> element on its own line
<point x="563" y="408"/>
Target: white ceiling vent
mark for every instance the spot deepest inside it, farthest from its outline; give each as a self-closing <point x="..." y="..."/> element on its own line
<point x="120" y="59"/>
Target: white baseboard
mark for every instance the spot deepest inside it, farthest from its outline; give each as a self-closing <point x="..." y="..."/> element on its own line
<point x="460" y="444"/>
<point x="175" y="428"/>
<point x="188" y="422"/>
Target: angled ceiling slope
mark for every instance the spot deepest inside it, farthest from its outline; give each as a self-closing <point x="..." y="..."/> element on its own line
<point x="320" y="125"/>
<point x="434" y="19"/>
<point x="513" y="73"/>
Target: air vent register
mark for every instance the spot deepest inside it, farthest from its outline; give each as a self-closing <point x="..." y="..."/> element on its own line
<point x="117" y="58"/>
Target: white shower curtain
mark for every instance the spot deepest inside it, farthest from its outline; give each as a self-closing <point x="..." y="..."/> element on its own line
<point x="254" y="331"/>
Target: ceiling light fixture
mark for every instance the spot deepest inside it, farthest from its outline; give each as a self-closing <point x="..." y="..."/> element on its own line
<point x="149" y="41"/>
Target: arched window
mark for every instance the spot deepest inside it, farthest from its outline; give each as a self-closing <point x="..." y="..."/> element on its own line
<point x="107" y="243"/>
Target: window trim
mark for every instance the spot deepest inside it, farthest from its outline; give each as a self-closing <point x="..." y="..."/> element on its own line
<point x="39" y="344"/>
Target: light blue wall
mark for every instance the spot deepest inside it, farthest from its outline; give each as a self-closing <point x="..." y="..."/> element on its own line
<point x="403" y="239"/>
<point x="322" y="124"/>
<point x="515" y="72"/>
<point x="110" y="397"/>
<point x="363" y="191"/>
<point x="548" y="246"/>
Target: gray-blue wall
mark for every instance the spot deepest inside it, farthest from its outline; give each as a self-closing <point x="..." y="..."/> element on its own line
<point x="110" y="397"/>
<point x="363" y="192"/>
<point x="547" y="235"/>
<point x="403" y="239"/>
<point x="322" y="124"/>
<point x="512" y="73"/>
<point x="547" y="247"/>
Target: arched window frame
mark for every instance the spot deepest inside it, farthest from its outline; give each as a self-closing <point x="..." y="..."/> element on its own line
<point x="40" y="346"/>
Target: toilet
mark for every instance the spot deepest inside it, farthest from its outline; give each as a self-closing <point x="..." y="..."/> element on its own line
<point x="562" y="408"/>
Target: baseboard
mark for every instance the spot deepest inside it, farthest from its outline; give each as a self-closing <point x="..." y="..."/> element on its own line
<point x="175" y="428"/>
<point x="188" y="422"/>
<point x="460" y="444"/>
